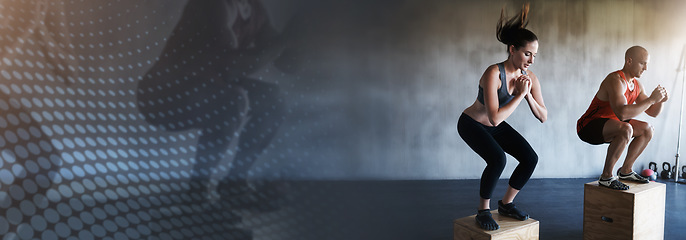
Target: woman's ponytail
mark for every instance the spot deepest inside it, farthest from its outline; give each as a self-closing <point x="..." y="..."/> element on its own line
<point x="513" y="31"/>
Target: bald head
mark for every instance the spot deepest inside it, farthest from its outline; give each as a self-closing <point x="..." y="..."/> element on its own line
<point x="634" y="52"/>
<point x="636" y="61"/>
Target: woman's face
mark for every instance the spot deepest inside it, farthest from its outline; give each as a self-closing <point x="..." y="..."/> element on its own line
<point x="524" y="57"/>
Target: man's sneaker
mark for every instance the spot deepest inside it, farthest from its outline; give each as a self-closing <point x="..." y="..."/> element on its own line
<point x="613" y="183"/>
<point x="633" y="176"/>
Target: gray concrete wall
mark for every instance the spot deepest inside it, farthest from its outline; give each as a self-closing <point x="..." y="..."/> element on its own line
<point x="373" y="89"/>
<point x="383" y="82"/>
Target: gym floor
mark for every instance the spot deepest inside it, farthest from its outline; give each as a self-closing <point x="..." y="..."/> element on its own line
<point x="302" y="210"/>
<point x="426" y="209"/>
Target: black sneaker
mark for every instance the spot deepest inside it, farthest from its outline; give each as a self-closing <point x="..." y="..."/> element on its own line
<point x="486" y="221"/>
<point x="512" y="211"/>
<point x="613" y="183"/>
<point x="633" y="176"/>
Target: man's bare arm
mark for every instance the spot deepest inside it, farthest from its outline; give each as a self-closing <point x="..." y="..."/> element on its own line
<point x="656" y="108"/>
<point x="616" y="87"/>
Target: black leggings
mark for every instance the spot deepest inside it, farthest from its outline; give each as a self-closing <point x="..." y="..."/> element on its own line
<point x="491" y="143"/>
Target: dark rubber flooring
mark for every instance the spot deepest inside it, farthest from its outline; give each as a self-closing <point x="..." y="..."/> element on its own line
<point x="426" y="209"/>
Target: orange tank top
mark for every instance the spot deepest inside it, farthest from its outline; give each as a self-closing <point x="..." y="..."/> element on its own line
<point x="602" y="109"/>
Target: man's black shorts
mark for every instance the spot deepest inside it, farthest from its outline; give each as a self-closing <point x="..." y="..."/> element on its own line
<point x="593" y="131"/>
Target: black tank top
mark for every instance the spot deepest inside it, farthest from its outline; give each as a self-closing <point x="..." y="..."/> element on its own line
<point x="504" y="97"/>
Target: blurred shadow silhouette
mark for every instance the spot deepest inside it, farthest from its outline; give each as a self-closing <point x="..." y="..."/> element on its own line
<point x="202" y="81"/>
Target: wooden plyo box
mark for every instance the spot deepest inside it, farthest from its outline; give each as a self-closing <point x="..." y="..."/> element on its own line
<point x="637" y="213"/>
<point x="466" y="228"/>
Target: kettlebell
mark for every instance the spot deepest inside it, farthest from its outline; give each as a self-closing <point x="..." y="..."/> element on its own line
<point x="666" y="173"/>
<point x="683" y="171"/>
<point x="653" y="166"/>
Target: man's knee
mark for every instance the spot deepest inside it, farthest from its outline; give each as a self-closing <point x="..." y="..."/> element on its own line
<point x="625" y="132"/>
<point x="643" y="129"/>
<point x="648" y="131"/>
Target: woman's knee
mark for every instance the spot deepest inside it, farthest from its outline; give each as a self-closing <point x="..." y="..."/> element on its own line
<point x="530" y="160"/>
<point x="533" y="159"/>
<point x="526" y="156"/>
<point x="496" y="161"/>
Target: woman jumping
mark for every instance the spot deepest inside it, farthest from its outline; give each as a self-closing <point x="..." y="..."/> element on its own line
<point x="482" y="125"/>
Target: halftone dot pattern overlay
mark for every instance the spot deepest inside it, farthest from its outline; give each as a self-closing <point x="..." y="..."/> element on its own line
<point x="129" y="120"/>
